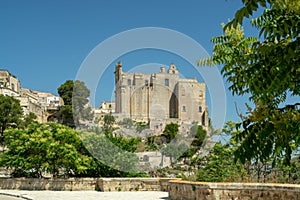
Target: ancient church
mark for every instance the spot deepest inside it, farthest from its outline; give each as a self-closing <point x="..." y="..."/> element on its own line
<point x="160" y="98"/>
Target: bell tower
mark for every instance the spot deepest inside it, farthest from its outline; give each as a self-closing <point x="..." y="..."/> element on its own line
<point x="118" y="95"/>
<point x="118" y="72"/>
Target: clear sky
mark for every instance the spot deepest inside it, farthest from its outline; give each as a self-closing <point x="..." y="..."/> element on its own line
<point x="44" y="43"/>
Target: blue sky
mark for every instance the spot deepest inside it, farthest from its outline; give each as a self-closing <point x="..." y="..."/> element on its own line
<point x="44" y="42"/>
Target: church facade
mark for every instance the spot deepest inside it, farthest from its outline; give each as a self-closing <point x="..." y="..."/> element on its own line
<point x="160" y="98"/>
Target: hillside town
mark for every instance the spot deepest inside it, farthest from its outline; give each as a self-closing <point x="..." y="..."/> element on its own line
<point x="43" y="104"/>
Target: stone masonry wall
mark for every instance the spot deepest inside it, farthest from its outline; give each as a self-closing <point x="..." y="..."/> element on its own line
<point x="79" y="184"/>
<point x="177" y="189"/>
<point x="184" y="190"/>
<point x="71" y="184"/>
<point x="133" y="184"/>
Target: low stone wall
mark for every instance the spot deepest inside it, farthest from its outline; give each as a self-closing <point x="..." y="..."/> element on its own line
<point x="71" y="184"/>
<point x="133" y="184"/>
<point x="77" y="184"/>
<point x="185" y="190"/>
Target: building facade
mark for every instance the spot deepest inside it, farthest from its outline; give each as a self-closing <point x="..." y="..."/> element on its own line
<point x="159" y="98"/>
<point x="9" y="84"/>
<point x="42" y="104"/>
<point x="106" y="107"/>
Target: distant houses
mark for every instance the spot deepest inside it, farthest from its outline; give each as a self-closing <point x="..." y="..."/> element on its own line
<point x="43" y="104"/>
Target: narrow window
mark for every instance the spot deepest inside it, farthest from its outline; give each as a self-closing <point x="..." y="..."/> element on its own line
<point x="183" y="109"/>
<point x="13" y="86"/>
<point x="129" y="82"/>
<point x="146" y="83"/>
<point x="166" y="82"/>
<point x="200" y="109"/>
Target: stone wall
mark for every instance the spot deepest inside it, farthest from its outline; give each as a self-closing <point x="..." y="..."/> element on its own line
<point x="133" y="184"/>
<point x="185" y="190"/>
<point x="177" y="189"/>
<point x="71" y="184"/>
<point x="78" y="184"/>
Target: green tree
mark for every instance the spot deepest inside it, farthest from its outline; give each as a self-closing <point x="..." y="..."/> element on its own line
<point x="66" y="116"/>
<point x="28" y="119"/>
<point x="174" y="151"/>
<point x="170" y="131"/>
<point x="199" y="135"/>
<point x="10" y="113"/>
<point x="76" y="109"/>
<point x="115" y="154"/>
<point x="127" y="144"/>
<point x="268" y="70"/>
<point x="140" y="126"/>
<point x="109" y="122"/>
<point x="219" y="166"/>
<point x="44" y="148"/>
<point x="65" y="91"/>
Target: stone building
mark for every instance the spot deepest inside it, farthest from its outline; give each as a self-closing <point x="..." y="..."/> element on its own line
<point x="30" y="104"/>
<point x="50" y="103"/>
<point x="9" y="84"/>
<point x="160" y="98"/>
<point x="42" y="104"/>
<point x="106" y="107"/>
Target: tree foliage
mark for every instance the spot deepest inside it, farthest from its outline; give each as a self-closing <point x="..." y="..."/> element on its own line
<point x="267" y="69"/>
<point x="114" y="152"/>
<point x="44" y="148"/>
<point x="10" y="113"/>
<point x="219" y="166"/>
<point x="199" y="135"/>
<point x="170" y="131"/>
<point x="29" y="119"/>
<point x="76" y="109"/>
<point x="173" y="150"/>
<point x="109" y="122"/>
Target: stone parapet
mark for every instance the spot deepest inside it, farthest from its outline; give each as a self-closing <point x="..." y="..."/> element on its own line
<point x="185" y="190"/>
<point x="70" y="184"/>
<point x="133" y="184"/>
<point x="83" y="184"/>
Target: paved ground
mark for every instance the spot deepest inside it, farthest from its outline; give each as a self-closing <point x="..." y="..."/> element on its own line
<point x="5" y="197"/>
<point x="79" y="195"/>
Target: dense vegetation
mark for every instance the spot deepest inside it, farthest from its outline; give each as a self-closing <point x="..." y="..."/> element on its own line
<point x="267" y="68"/>
<point x="76" y="109"/>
